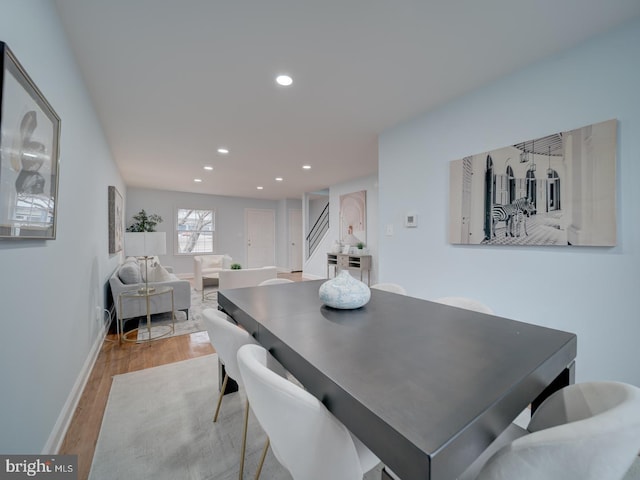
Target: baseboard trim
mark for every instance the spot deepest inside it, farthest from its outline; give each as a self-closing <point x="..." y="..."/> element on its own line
<point x="54" y="442"/>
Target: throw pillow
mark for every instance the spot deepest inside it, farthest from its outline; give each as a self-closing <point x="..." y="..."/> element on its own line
<point x="129" y="273"/>
<point x="153" y="261"/>
<point x="148" y="264"/>
<point x="157" y="273"/>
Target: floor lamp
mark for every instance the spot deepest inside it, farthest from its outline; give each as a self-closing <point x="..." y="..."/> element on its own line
<point x="145" y="245"/>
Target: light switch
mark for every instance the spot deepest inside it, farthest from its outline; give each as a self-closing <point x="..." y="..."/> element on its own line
<point x="389" y="230"/>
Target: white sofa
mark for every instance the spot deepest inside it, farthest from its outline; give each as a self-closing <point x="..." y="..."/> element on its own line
<point x="130" y="276"/>
<point x="246" y="277"/>
<point x="208" y="266"/>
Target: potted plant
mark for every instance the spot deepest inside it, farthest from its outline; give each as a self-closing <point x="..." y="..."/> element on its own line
<point x="236" y="266"/>
<point x="144" y="223"/>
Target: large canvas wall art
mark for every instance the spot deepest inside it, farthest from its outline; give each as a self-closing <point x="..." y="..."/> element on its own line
<point x="116" y="220"/>
<point x="555" y="190"/>
<point x="29" y="163"/>
<point x="353" y="218"/>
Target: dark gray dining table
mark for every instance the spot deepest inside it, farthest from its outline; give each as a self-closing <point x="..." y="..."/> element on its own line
<point x="427" y="387"/>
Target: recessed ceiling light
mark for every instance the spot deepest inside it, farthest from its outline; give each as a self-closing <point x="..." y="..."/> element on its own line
<point x="279" y="179"/>
<point x="284" y="80"/>
<point x="208" y="167"/>
<point x="197" y="180"/>
<point x="223" y="151"/>
<point x="259" y="188"/>
<point x="307" y="167"/>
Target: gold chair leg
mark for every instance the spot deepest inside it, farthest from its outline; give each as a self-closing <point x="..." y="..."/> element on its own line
<point x="264" y="454"/>
<point x="244" y="439"/>
<point x="224" y="387"/>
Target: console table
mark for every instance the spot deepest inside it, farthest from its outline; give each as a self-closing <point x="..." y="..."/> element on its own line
<point x="343" y="261"/>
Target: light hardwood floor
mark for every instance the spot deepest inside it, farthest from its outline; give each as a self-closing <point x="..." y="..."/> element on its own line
<point x="115" y="359"/>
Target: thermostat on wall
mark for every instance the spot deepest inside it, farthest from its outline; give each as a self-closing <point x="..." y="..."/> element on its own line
<point x="411" y="220"/>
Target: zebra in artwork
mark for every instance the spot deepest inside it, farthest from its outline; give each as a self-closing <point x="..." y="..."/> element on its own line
<point x="510" y="213"/>
<point x="526" y="209"/>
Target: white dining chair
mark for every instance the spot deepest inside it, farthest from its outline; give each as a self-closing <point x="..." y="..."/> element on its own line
<point x="390" y="287"/>
<point x="464" y="302"/>
<point x="227" y="339"/>
<point x="305" y="437"/>
<point x="275" y="281"/>
<point x="586" y="431"/>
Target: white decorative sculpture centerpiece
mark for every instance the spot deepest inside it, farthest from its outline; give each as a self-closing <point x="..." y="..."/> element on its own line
<point x="344" y="292"/>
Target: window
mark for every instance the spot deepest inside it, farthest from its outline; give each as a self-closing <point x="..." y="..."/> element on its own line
<point x="195" y="230"/>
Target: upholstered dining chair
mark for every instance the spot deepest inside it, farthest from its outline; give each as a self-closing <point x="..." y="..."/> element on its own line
<point x="226" y="339"/>
<point x="586" y="431"/>
<point x="305" y="437"/>
<point x="390" y="287"/>
<point x="275" y="281"/>
<point x="464" y="302"/>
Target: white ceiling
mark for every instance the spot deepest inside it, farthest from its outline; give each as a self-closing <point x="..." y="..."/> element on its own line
<point x="173" y="80"/>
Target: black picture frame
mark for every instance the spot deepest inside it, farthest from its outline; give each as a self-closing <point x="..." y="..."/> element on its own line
<point x="29" y="155"/>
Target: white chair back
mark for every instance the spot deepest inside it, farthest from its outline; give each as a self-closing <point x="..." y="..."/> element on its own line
<point x="588" y="431"/>
<point x="305" y="437"/>
<point x="275" y="281"/>
<point x="390" y="287"/>
<point x="226" y="338"/>
<point x="463" y="302"/>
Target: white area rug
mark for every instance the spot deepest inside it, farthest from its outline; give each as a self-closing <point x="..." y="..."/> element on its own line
<point x="161" y="323"/>
<point x="158" y="425"/>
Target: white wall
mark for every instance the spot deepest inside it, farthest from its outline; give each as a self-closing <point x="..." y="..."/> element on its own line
<point x="50" y="289"/>
<point x="282" y="235"/>
<point x="316" y="207"/>
<point x="594" y="292"/>
<point x="316" y="267"/>
<point x="230" y="222"/>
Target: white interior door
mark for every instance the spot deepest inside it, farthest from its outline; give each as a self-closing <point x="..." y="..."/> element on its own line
<point x="260" y="233"/>
<point x="295" y="240"/>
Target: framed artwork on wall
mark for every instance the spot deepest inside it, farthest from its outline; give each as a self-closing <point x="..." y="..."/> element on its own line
<point x="29" y="156"/>
<point x="116" y="220"/>
<point x="559" y="189"/>
<point x="353" y="218"/>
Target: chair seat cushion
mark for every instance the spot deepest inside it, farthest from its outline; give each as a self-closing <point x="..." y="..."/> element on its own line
<point x="210" y="272"/>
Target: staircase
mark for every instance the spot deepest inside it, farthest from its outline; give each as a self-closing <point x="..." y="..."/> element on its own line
<point x="318" y="231"/>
